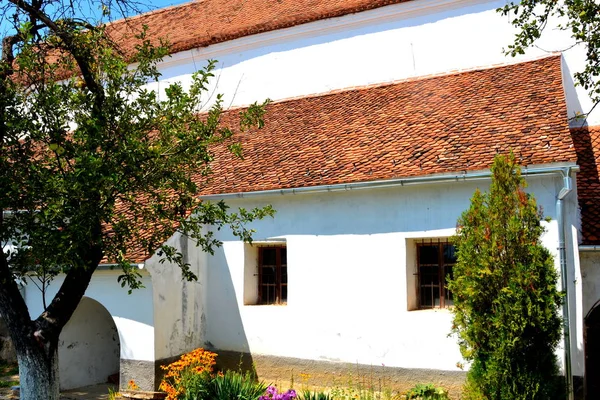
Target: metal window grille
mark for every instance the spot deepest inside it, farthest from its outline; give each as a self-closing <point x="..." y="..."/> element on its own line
<point x="272" y="275"/>
<point x="435" y="261"/>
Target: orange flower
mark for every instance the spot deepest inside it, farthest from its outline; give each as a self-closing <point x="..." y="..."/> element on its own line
<point x="198" y="362"/>
<point x="132" y="386"/>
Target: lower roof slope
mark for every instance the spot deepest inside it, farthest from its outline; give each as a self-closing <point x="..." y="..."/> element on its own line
<point x="439" y="124"/>
<point x="448" y="123"/>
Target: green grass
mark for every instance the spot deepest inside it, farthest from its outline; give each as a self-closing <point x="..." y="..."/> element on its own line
<point x="8" y="369"/>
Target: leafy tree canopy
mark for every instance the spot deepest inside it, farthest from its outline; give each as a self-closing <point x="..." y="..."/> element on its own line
<point x="95" y="165"/>
<point x="581" y="18"/>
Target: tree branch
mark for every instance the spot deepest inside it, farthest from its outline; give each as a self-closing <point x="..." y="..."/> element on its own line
<point x="63" y="305"/>
<point x="8" y="56"/>
<point x="66" y="35"/>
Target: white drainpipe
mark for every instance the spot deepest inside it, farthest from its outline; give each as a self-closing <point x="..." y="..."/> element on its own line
<point x="560" y="217"/>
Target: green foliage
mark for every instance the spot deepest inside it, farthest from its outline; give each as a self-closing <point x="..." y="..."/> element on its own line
<point x="505" y="294"/>
<point x="308" y="395"/>
<point x="581" y="18"/>
<point x="113" y="394"/>
<point x="197" y="386"/>
<point x="8" y="369"/>
<point x="7" y="384"/>
<point x="427" y="392"/>
<point x="95" y="164"/>
<point x="235" y="386"/>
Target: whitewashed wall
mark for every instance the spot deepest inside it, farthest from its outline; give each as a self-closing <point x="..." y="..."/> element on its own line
<point x="179" y="309"/>
<point x="410" y="39"/>
<point x="350" y="260"/>
<point x="590" y="271"/>
<point x="132" y="314"/>
<point x="88" y="348"/>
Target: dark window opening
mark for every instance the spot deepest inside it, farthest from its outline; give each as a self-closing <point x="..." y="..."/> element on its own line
<point x="272" y="275"/>
<point x="435" y="260"/>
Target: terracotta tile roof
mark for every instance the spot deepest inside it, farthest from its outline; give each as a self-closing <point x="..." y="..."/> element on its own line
<point x="587" y="146"/>
<point x="417" y="127"/>
<point x="439" y="124"/>
<point x="206" y="22"/>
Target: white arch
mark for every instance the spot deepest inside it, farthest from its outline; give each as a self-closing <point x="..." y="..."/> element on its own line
<point x="89" y="346"/>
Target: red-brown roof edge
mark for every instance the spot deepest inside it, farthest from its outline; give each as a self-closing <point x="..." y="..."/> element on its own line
<point x="183" y="25"/>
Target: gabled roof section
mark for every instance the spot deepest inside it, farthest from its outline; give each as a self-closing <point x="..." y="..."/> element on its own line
<point x="205" y="22"/>
<point x="587" y="144"/>
<point x="424" y="126"/>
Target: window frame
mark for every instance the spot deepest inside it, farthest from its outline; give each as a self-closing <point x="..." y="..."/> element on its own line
<point x="441" y="273"/>
<point x="278" y="276"/>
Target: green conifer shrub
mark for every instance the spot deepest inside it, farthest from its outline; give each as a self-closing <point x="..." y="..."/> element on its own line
<point x="505" y="294"/>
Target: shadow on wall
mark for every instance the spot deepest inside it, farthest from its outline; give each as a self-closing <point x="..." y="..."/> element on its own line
<point x="224" y="311"/>
<point x="588" y="182"/>
<point x="591" y="333"/>
<point x="88" y="347"/>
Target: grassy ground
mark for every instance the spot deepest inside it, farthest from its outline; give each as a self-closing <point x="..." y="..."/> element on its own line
<point x="9" y="377"/>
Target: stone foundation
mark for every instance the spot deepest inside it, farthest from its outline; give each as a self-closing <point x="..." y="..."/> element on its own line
<point x="285" y="372"/>
<point x="147" y="375"/>
<point x="282" y="371"/>
<point x="142" y="373"/>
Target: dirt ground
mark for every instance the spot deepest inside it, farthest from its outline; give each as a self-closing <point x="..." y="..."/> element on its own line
<point x="9" y="377"/>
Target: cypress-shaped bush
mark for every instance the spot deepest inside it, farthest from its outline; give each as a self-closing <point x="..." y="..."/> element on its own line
<point x="505" y="294"/>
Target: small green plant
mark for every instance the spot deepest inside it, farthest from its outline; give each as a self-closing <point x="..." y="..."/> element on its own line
<point x="427" y="392"/>
<point x="195" y="386"/>
<point x="113" y="394"/>
<point x="308" y="395"/>
<point x="234" y="385"/>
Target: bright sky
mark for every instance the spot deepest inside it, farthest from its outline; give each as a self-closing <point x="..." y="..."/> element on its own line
<point x="94" y="5"/>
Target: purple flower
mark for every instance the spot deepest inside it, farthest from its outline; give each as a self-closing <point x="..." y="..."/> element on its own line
<point x="273" y="394"/>
<point x="272" y="390"/>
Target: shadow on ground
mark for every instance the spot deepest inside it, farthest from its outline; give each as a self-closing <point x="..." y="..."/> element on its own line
<point x="95" y="392"/>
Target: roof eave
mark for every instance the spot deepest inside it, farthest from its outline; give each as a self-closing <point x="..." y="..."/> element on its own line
<point x="531" y="170"/>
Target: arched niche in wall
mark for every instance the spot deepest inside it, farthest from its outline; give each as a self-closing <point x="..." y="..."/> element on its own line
<point x="88" y="347"/>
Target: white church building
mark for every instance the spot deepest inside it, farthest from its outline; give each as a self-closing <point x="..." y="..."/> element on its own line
<point x="386" y="116"/>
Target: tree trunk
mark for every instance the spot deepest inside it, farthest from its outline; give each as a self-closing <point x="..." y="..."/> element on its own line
<point x="38" y="372"/>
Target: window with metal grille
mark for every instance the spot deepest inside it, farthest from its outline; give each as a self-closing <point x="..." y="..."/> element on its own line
<point x="435" y="259"/>
<point x="272" y="275"/>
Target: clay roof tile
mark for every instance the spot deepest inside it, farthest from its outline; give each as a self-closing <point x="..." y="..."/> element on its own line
<point x="440" y="124"/>
<point x="206" y="22"/>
